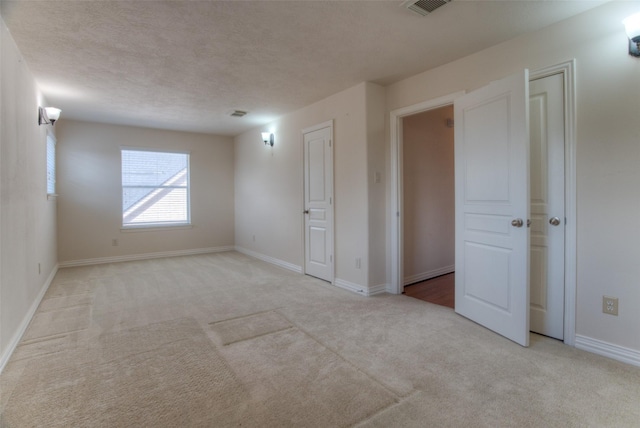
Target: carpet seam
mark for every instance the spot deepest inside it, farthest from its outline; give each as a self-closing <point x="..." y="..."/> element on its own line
<point x="30" y="358"/>
<point x="245" y="316"/>
<point x="260" y="335"/>
<point x="55" y="335"/>
<point x="44" y="339"/>
<point x="64" y="307"/>
<point x="374" y="379"/>
<point x="154" y="349"/>
<point x="384" y="409"/>
<point x="63" y="296"/>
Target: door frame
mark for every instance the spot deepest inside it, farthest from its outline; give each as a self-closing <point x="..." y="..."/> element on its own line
<point x="567" y="69"/>
<point x="327" y="124"/>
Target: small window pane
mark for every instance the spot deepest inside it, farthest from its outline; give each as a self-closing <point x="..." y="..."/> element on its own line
<point x="155" y="188"/>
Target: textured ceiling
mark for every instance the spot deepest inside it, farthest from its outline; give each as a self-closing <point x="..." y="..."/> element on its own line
<point x="185" y="65"/>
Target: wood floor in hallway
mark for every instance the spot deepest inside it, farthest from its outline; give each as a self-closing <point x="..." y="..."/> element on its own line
<point x="439" y="290"/>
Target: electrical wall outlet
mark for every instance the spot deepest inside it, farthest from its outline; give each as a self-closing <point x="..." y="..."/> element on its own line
<point x="358" y="263"/>
<point x="610" y="305"/>
<point x="114" y="242"/>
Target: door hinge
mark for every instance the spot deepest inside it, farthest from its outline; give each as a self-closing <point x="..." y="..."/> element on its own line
<point x="329" y="200"/>
<point x="331" y="258"/>
<point x="329" y="143"/>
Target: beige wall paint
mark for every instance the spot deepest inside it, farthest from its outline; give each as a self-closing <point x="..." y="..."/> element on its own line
<point x="90" y="201"/>
<point x="376" y="160"/>
<point x="269" y="182"/>
<point x="27" y="217"/>
<point x="608" y="150"/>
<point x="428" y="194"/>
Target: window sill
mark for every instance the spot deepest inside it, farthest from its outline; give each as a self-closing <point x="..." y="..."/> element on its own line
<point x="52" y="196"/>
<point x="155" y="228"/>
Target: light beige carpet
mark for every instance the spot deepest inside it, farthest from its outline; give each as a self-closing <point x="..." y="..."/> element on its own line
<point x="223" y="340"/>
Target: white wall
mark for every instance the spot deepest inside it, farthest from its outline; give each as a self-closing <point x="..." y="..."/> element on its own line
<point x="608" y="150"/>
<point x="27" y="217"/>
<point x="428" y="195"/>
<point x="90" y="201"/>
<point x="269" y="182"/>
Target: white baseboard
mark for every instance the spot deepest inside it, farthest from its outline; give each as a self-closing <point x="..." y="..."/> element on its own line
<point x="269" y="259"/>
<point x="616" y="352"/>
<point x="351" y="286"/>
<point x="22" y="328"/>
<point x="147" y="256"/>
<point x="377" y="289"/>
<point x="341" y="283"/>
<point x="429" y="274"/>
<point x="359" y="289"/>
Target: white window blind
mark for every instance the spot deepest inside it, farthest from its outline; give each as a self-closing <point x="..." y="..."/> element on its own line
<point x="155" y="188"/>
<point x="51" y="165"/>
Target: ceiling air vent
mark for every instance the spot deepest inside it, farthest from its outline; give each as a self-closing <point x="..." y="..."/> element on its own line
<point x="424" y="7"/>
<point x="238" y="113"/>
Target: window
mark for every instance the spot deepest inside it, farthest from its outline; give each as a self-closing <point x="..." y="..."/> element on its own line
<point x="155" y="188"/>
<point x="51" y="165"/>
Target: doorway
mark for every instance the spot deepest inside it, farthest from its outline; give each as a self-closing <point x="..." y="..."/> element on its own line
<point x="547" y="237"/>
<point x="565" y="72"/>
<point x="429" y="206"/>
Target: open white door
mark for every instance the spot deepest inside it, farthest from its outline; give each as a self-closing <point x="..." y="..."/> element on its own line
<point x="492" y="206"/>
<point x="318" y="201"/>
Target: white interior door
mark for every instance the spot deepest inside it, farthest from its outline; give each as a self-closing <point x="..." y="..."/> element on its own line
<point x="318" y="201"/>
<point x="546" y="106"/>
<point x="492" y="206"/>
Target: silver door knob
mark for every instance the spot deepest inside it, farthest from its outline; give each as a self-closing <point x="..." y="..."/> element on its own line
<point x="517" y="222"/>
<point x="554" y="221"/>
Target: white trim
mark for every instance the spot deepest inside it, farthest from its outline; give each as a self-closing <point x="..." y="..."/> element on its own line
<point x="351" y="286"/>
<point x="327" y="124"/>
<point x="155" y="227"/>
<point x="377" y="289"/>
<point x="616" y="352"/>
<point x="359" y="289"/>
<point x="146" y="256"/>
<point x="396" y="285"/>
<point x="568" y="69"/>
<point x="429" y="274"/>
<point x="22" y="328"/>
<point x="269" y="259"/>
<point x="152" y="149"/>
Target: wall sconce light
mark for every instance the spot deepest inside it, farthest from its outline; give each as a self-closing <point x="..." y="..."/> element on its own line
<point x="48" y="115"/>
<point x="268" y="138"/>
<point x="632" y="27"/>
